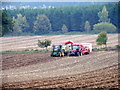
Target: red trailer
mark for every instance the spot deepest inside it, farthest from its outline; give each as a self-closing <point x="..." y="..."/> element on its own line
<point x="85" y="49"/>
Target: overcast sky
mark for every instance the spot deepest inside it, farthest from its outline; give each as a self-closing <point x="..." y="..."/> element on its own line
<point x="60" y="0"/>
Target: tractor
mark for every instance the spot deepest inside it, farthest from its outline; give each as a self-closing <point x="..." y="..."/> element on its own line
<point x="57" y="51"/>
<point x="76" y="50"/>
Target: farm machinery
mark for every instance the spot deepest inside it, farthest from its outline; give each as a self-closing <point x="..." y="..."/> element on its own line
<point x="57" y="51"/>
<point x="76" y="50"/>
<point x="71" y="49"/>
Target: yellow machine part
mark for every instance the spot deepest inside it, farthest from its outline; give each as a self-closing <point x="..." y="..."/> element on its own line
<point x="62" y="53"/>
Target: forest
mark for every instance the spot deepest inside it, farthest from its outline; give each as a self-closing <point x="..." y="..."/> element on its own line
<point x="61" y="20"/>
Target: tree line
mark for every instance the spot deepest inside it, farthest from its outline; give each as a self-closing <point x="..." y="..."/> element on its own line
<point x="62" y="19"/>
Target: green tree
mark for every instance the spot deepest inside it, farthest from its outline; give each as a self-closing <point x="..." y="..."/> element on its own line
<point x="7" y="24"/>
<point x="73" y="17"/>
<point x="104" y="26"/>
<point x="42" y="24"/>
<point x="21" y="23"/>
<point x="102" y="39"/>
<point x="44" y="44"/>
<point x="1" y="30"/>
<point x="103" y="15"/>
<point x="87" y="26"/>
<point x="64" y="28"/>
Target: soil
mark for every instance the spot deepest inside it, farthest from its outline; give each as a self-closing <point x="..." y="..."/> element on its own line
<point x="30" y="42"/>
<point x="104" y="78"/>
<point x="18" y="60"/>
<point x="38" y="70"/>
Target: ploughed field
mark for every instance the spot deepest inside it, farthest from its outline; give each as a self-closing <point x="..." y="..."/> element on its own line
<point x="98" y="69"/>
<point x="104" y="78"/>
<point x="19" y="60"/>
<point x="40" y="70"/>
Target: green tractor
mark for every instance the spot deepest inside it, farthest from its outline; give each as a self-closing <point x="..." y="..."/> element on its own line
<point x="57" y="51"/>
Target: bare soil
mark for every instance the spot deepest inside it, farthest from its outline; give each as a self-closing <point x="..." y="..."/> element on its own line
<point x="104" y="78"/>
<point x="96" y="70"/>
<point x="39" y="70"/>
<point x="18" y="60"/>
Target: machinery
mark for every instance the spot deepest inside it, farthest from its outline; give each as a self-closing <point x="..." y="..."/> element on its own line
<point x="58" y="51"/>
<point x="76" y="50"/>
<point x="89" y="45"/>
<point x="85" y="49"/>
<point x="71" y="49"/>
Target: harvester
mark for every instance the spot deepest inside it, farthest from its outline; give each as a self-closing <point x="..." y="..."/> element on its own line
<point x="58" y="51"/>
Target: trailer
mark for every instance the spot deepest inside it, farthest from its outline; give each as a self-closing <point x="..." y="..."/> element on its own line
<point x="89" y="45"/>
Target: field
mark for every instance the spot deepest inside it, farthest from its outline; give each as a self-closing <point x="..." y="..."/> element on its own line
<point x="39" y="70"/>
<point x="30" y="42"/>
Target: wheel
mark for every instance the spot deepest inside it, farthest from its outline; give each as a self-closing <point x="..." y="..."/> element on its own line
<point x="66" y="53"/>
<point x="78" y="54"/>
<point x="69" y="54"/>
<point x="60" y="54"/>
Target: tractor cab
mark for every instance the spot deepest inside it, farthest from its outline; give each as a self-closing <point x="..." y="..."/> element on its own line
<point x="57" y="47"/>
<point x="75" y="47"/>
<point x="57" y="51"/>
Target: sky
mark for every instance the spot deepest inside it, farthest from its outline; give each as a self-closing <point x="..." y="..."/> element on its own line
<point x="60" y="0"/>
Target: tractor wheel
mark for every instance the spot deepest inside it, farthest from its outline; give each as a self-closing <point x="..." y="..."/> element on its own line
<point x="51" y="55"/>
<point x="78" y="54"/>
<point x="60" y="54"/>
<point x="66" y="53"/>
